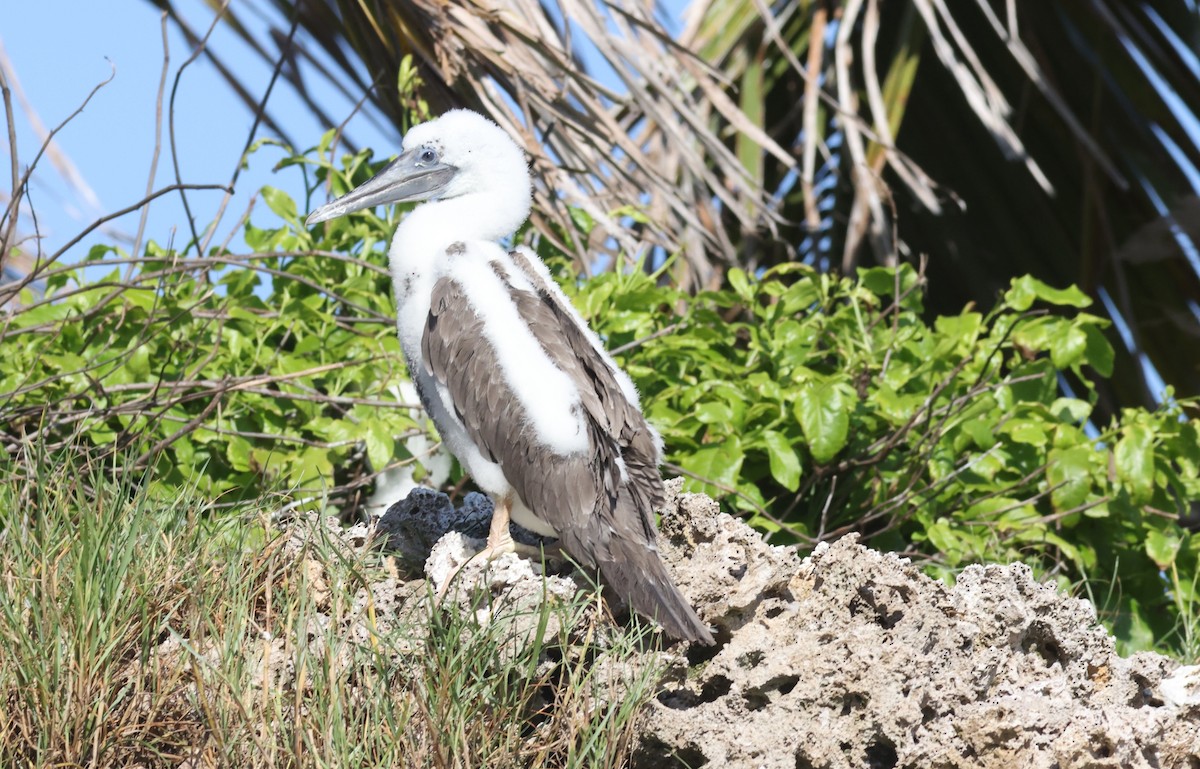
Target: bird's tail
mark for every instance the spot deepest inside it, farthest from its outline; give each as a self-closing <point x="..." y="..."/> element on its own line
<point x="642" y="579"/>
<point x="630" y="564"/>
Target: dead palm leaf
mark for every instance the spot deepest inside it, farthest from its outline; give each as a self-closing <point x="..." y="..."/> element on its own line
<point x="655" y="141"/>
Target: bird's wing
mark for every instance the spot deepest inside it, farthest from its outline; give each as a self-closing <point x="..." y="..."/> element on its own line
<point x="614" y="405"/>
<point x="564" y="490"/>
<point x="460" y="357"/>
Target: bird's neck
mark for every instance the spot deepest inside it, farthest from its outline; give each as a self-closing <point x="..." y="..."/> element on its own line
<point x="418" y="254"/>
<point x="430" y="228"/>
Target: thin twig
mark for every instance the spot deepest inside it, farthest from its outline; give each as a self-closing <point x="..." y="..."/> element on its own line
<point x="825" y="508"/>
<point x="671" y="329"/>
<point x="238" y="227"/>
<point x="171" y="122"/>
<point x="718" y="485"/>
<point x="258" y="116"/>
<point x="116" y="214"/>
<point x="14" y="198"/>
<point x="22" y="185"/>
<point x="191" y="425"/>
<point x="158" y="113"/>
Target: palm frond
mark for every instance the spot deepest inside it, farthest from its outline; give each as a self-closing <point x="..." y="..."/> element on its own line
<point x="656" y="142"/>
<point x="999" y="139"/>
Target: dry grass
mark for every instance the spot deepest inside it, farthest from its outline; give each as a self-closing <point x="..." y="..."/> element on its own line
<point x="133" y="632"/>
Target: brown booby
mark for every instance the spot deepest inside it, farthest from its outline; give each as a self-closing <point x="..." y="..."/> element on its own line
<point x="521" y="390"/>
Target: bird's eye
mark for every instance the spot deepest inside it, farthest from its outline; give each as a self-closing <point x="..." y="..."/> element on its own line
<point x="427" y="156"/>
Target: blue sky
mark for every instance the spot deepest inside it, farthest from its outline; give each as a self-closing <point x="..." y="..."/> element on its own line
<point x="111" y="143"/>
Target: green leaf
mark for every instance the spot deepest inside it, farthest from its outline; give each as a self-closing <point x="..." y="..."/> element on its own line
<point x="959" y="331"/>
<point x="764" y="387"/>
<point x="720" y="463"/>
<point x="1099" y="352"/>
<point x="1028" y="387"/>
<point x="1162" y="547"/>
<point x="980" y="432"/>
<point x="1071" y="410"/>
<point x="185" y="453"/>
<point x="1039" y="333"/>
<point x="582" y="220"/>
<point x="1186" y="448"/>
<point x="1069" y="347"/>
<point x="281" y="203"/>
<point x="1134" y="454"/>
<point x="312" y="467"/>
<point x="1069" y="472"/>
<point x="1027" y="289"/>
<point x="1028" y="431"/>
<point x="740" y="284"/>
<point x="1132" y="627"/>
<point x="1040" y="534"/>
<point x="259" y="239"/>
<point x="897" y="408"/>
<point x="785" y="463"/>
<point x="799" y="296"/>
<point x="714" y="412"/>
<point x="237" y="451"/>
<point x="97" y="252"/>
<point x="55" y="312"/>
<point x="381" y="447"/>
<point x="948" y="540"/>
<point x="1007" y="511"/>
<point x="823" y="410"/>
<point x="878" y="280"/>
<point x="882" y="281"/>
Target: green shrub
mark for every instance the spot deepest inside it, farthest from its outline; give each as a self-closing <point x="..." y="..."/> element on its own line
<point x="239" y="373"/>
<point x="821" y="405"/>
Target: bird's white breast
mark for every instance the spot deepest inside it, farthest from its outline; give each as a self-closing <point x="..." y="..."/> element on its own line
<point x="548" y="397"/>
<point x="415" y="271"/>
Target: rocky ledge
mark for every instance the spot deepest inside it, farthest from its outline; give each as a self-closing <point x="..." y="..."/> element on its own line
<point x="851" y="657"/>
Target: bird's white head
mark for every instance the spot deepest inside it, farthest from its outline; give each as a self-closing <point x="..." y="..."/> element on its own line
<point x="457" y="155"/>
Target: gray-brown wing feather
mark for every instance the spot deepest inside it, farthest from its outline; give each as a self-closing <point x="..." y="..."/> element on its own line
<point x="458" y="354"/>
<point x="623" y="427"/>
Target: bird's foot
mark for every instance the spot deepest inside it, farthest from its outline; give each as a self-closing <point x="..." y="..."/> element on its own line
<point x="496" y="547"/>
<point x="499" y="542"/>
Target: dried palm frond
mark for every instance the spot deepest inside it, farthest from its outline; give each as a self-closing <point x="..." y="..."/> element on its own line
<point x="651" y="139"/>
<point x="1000" y="137"/>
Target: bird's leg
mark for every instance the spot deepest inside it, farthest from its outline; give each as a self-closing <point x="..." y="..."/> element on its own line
<point x="499" y="539"/>
<point x="499" y="542"/>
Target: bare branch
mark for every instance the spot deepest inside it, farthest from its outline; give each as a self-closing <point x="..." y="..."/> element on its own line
<point x="20" y="187"/>
<point x="131" y="208"/>
<point x="179" y="185"/>
<point x="158" y="114"/>
<point x="15" y="196"/>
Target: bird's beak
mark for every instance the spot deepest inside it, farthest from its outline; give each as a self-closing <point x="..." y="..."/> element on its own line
<point x="403" y="180"/>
